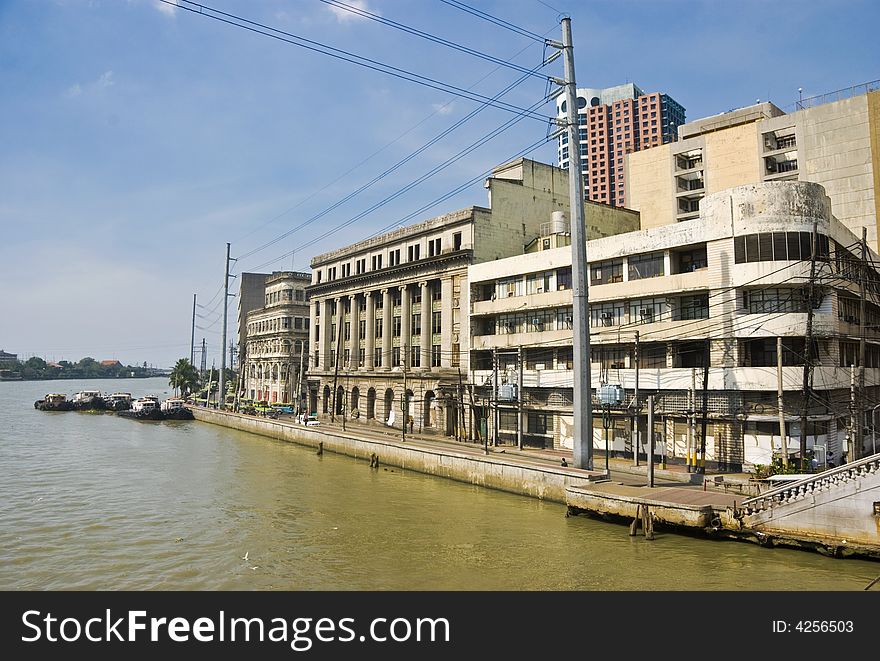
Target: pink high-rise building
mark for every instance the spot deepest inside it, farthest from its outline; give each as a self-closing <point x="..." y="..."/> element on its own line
<point x="613" y="122"/>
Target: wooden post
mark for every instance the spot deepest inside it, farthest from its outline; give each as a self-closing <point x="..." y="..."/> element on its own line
<point x="648" y="523"/>
<point x="634" y="526"/>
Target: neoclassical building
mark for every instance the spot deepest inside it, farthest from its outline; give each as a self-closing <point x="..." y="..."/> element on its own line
<point x="389" y="315"/>
<point x="274" y="363"/>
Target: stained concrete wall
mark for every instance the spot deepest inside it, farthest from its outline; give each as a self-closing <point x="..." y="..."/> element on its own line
<point x="844" y="512"/>
<point x="534" y="481"/>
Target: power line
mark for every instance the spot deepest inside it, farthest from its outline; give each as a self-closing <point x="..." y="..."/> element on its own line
<point x="393" y="168"/>
<point x="377" y="152"/>
<point x="493" y="19"/>
<point x="340" y="54"/>
<point x="425" y="35"/>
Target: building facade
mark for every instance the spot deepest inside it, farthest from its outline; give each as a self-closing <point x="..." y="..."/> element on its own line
<point x="251" y="296"/>
<point x="680" y="309"/>
<point x="273" y="366"/>
<point x="612" y="123"/>
<point x="833" y="144"/>
<point x="389" y="331"/>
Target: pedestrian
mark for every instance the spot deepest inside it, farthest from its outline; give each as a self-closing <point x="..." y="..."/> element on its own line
<point x="411" y="423"/>
<point x="564" y="463"/>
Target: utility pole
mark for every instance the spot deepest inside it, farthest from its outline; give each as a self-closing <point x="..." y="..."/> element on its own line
<point x="703" y="424"/>
<point x="856" y="450"/>
<point x="853" y="414"/>
<point x="222" y="380"/>
<point x="405" y="405"/>
<point x="204" y="361"/>
<point x="519" y="399"/>
<point x="299" y="377"/>
<point x="583" y="398"/>
<point x="192" y="341"/>
<point x="634" y="429"/>
<point x="494" y="400"/>
<point x="692" y="424"/>
<point x="460" y="409"/>
<point x="783" y="437"/>
<point x="650" y="440"/>
<point x="808" y="342"/>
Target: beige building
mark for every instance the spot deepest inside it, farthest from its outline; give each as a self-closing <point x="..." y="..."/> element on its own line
<point x="832" y="144"/>
<point x="729" y="285"/>
<point x="251" y="295"/>
<point x="274" y="363"/>
<point x="389" y="314"/>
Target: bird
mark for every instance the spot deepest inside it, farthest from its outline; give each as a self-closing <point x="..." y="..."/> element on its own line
<point x="255" y="567"/>
<point x="245" y="556"/>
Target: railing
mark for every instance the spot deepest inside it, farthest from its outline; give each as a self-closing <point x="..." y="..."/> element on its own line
<point x="814" y="483"/>
<point x="837" y="95"/>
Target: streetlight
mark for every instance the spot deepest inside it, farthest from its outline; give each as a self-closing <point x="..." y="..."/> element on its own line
<point x="606" y="422"/>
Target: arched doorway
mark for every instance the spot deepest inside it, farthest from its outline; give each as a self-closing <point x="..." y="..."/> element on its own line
<point x="313" y="401"/>
<point x="410" y="409"/>
<point x="355" y="398"/>
<point x="326" y="407"/>
<point x="428" y="409"/>
<point x="389" y="402"/>
<point x="371" y="403"/>
<point x="340" y="400"/>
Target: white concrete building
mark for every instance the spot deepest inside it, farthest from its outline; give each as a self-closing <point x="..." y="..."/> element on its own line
<point x="273" y="367"/>
<point x="731" y="282"/>
<point x="388" y="315"/>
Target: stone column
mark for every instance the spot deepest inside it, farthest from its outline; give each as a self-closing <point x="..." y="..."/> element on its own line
<point x="326" y="339"/>
<point x="314" y="340"/>
<point x="405" y="325"/>
<point x="354" y="345"/>
<point x="446" y="321"/>
<point x="386" y="328"/>
<point x="370" y="339"/>
<point x="426" y="326"/>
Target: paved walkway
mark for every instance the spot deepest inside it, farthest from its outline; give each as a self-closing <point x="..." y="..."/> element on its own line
<point x="622" y="469"/>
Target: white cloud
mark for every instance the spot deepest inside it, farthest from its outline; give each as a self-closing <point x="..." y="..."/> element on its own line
<point x="165" y="8"/>
<point x="443" y="108"/>
<point x="106" y="80"/>
<point x="74" y="90"/>
<point x="344" y="15"/>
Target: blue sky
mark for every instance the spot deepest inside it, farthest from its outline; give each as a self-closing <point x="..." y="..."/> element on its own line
<point x="136" y="139"/>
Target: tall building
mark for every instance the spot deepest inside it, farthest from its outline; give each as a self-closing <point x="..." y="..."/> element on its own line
<point x="680" y="309"/>
<point x="273" y="365"/>
<point x="251" y="295"/>
<point x="612" y="123"/>
<point x="834" y="144"/>
<point x="389" y="331"/>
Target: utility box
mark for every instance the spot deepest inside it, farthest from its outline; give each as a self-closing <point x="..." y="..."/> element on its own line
<point x="507" y="392"/>
<point x="610" y="395"/>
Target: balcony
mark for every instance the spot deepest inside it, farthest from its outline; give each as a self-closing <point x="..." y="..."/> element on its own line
<point x="782" y="166"/>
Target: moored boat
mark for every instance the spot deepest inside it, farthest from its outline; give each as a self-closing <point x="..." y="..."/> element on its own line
<point x="54" y="402"/>
<point x="175" y="409"/>
<point x="88" y="400"/>
<point x="145" y="408"/>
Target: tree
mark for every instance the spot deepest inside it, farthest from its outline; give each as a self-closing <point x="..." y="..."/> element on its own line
<point x="183" y="377"/>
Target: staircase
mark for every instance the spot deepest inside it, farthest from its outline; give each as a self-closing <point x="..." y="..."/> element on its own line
<point x="810" y="486"/>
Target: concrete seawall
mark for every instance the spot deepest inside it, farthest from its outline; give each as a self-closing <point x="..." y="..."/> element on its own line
<point x="546" y="483"/>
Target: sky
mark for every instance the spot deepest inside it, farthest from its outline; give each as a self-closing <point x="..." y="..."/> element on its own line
<point x="138" y="138"/>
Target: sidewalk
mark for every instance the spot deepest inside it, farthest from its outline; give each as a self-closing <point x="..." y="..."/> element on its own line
<point x="621" y="468"/>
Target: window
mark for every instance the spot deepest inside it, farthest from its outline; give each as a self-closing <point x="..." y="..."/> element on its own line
<point x="611" y="357"/>
<point x="456" y="241"/>
<point x="685" y="261"/>
<point x="540" y="321"/>
<point x="413" y="253"/>
<point x="652" y="356"/>
<point x="395" y="327"/>
<point x="394" y="257"/>
<point x="565" y="359"/>
<point x="510" y="287"/>
<point x="436" y="354"/>
<point x="362" y="328"/>
<point x="436" y="327"/>
<point x="649" y="265"/>
<point x="646" y="310"/>
<point x="607" y="271"/>
<point x="415" y="356"/>
<point x="377" y="327"/>
<point x="778" y="246"/>
<point x="564" y="318"/>
<point x="435" y="293"/>
<point x="416" y="324"/>
<point x="758" y="301"/>
<point x="538" y="283"/>
<point x="537" y="423"/>
<point x="377" y="262"/>
<point x="433" y="247"/>
<point x="762" y="352"/>
<point x="693" y="307"/>
<point x="606" y="314"/>
<point x="563" y="278"/>
<point x="395" y="357"/>
<point x="346" y="333"/>
<point x="377" y="357"/>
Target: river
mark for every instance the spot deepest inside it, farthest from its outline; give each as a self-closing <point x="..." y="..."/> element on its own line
<point x="91" y="501"/>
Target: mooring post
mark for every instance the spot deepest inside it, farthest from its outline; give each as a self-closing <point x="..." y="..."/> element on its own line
<point x="649" y="523"/>
<point x="634" y="526"/>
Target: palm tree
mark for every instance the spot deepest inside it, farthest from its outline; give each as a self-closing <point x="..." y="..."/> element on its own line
<point x="184" y="377"/>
